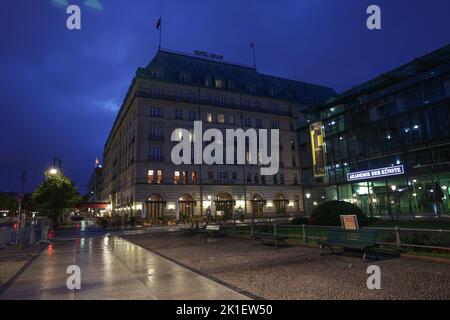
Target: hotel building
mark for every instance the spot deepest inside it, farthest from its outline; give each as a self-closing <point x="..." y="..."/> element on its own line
<point x="176" y="89"/>
<point x="385" y="144"/>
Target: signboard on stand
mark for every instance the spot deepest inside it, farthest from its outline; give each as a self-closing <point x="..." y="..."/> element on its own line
<point x="349" y="222"/>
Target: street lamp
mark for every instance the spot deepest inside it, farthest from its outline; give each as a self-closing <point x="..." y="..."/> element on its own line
<point x="53" y="171"/>
<point x="308" y="196"/>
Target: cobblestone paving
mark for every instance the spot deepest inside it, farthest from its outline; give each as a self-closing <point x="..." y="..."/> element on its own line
<point x="12" y="259"/>
<point x="300" y="272"/>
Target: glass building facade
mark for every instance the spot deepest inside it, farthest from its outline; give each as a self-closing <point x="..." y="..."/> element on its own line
<point x="400" y="119"/>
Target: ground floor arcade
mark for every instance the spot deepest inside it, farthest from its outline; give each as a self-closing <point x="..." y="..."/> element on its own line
<point x="185" y="203"/>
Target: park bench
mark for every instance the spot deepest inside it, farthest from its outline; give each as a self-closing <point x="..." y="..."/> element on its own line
<point x="270" y="237"/>
<point x="213" y="230"/>
<point x="195" y="227"/>
<point x="363" y="240"/>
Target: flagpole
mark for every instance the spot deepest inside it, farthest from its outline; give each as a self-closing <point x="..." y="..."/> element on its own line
<point x="254" y="56"/>
<point x="160" y="31"/>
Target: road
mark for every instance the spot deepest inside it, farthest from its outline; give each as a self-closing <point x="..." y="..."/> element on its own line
<point x="111" y="268"/>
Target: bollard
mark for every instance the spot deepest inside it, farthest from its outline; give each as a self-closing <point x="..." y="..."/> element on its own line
<point x="304" y="233"/>
<point x="397" y="238"/>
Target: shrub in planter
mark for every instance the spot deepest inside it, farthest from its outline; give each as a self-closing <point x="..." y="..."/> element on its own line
<point x="104" y="223"/>
<point x="328" y="213"/>
<point x="167" y="220"/>
<point x="132" y="221"/>
<point x="185" y="218"/>
<point x="423" y="238"/>
<point x="298" y="221"/>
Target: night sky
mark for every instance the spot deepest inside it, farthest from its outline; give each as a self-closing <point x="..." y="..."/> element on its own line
<point x="60" y="89"/>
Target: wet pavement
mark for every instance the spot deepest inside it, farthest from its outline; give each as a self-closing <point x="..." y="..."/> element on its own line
<point x="111" y="268"/>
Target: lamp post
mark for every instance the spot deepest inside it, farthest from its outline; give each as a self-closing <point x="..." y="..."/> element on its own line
<point x="308" y="201"/>
<point x="394" y="188"/>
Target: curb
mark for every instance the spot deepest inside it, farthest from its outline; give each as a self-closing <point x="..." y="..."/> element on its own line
<point x="425" y="258"/>
<point x="11" y="280"/>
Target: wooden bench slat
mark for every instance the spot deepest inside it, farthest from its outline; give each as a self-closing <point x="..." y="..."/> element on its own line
<point x="360" y="239"/>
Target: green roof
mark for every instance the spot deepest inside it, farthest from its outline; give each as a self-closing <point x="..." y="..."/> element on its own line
<point x="243" y="79"/>
<point x="439" y="57"/>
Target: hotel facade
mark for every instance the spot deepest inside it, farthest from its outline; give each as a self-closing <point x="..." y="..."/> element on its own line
<point x="174" y="90"/>
<point x="383" y="145"/>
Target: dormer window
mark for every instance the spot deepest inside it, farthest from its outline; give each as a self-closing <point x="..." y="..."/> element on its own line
<point x="208" y="81"/>
<point x="185" y="77"/>
<point x="157" y="74"/>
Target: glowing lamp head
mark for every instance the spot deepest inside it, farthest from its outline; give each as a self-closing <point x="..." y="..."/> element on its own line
<point x="53" y="171"/>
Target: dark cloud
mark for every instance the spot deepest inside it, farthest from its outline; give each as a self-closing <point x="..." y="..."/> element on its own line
<point x="60" y="89"/>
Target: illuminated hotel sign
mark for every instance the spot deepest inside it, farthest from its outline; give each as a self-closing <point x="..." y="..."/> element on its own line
<point x="205" y="54"/>
<point x="318" y="151"/>
<point x="376" y="173"/>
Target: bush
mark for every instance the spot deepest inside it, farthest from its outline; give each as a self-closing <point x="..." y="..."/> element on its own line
<point x="167" y="219"/>
<point x="132" y="221"/>
<point x="328" y="213"/>
<point x="298" y="221"/>
<point x="104" y="223"/>
<point x="433" y="239"/>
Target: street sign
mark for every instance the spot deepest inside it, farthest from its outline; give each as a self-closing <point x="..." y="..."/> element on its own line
<point x="19" y="197"/>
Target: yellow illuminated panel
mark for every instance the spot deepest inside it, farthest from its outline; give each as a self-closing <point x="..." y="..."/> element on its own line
<point x="317" y="148"/>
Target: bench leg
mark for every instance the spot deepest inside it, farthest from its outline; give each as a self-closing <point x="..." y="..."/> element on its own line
<point x="331" y="249"/>
<point x="365" y="256"/>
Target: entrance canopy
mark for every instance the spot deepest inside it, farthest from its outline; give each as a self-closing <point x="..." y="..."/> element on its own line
<point x="92" y="205"/>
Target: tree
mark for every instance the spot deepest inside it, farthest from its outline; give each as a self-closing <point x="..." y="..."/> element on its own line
<point x="56" y="193"/>
<point x="328" y="213"/>
<point x="7" y="202"/>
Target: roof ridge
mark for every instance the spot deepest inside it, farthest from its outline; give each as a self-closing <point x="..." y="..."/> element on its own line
<point x="193" y="56"/>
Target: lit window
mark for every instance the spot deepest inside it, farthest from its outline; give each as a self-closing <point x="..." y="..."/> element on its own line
<point x="194" y="177"/>
<point x="219" y="83"/>
<point x="176" y="177"/>
<point x="221" y="118"/>
<point x="159" y="176"/>
<point x="209" y="117"/>
<point x="150" y="176"/>
<point x="185" y="177"/>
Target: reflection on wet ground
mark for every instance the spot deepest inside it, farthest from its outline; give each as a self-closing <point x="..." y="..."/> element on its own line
<point x="111" y="268"/>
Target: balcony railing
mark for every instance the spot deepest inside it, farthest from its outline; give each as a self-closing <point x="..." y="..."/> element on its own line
<point x="153" y="137"/>
<point x="155" y="158"/>
<point x="212" y="102"/>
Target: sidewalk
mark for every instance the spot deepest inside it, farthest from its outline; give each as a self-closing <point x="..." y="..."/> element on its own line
<point x="13" y="259"/>
<point x="111" y="268"/>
